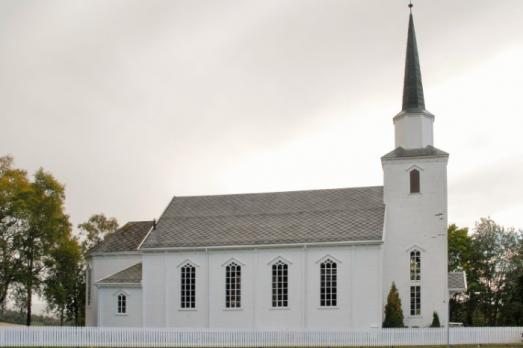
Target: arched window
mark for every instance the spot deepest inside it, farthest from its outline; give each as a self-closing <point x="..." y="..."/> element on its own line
<point x="121" y="307"/>
<point x="415" y="277"/>
<point x="280" y="284"/>
<point x="188" y="286"/>
<point x="414" y="181"/>
<point x="328" y="284"/>
<point x="415" y="265"/>
<point x="233" y="275"/>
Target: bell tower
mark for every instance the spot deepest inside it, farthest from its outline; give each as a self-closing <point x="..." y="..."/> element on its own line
<point x="414" y="124"/>
<point x="415" y="195"/>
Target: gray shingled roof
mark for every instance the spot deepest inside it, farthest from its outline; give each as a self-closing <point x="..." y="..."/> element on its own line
<point x="428" y="151"/>
<point x="457" y="281"/>
<point x="335" y="215"/>
<point x="131" y="275"/>
<point x="126" y="238"/>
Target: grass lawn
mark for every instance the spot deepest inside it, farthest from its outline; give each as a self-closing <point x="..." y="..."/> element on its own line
<point x="512" y="345"/>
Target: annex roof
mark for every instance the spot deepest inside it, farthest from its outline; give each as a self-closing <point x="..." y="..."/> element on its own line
<point x="332" y="215"/>
<point x="131" y="275"/>
<point x="126" y="238"/>
<point x="457" y="281"/>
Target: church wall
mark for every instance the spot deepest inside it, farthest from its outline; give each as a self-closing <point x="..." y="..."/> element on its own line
<point x="153" y="287"/>
<point x="232" y="317"/>
<point x="293" y="315"/>
<point x="358" y="286"/>
<point x="366" y="285"/>
<point x="417" y="221"/>
<point x="186" y="317"/>
<point x="103" y="266"/>
<point x="108" y="307"/>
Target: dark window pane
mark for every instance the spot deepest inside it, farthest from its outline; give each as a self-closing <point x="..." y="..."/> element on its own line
<point x="414" y="181"/>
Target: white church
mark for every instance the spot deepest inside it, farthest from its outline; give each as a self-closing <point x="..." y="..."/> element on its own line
<point x="303" y="259"/>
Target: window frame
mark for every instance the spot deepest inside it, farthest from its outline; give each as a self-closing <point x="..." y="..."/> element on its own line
<point x="121" y="304"/>
<point x="415" y="265"/>
<point x="188" y="286"/>
<point x="328" y="283"/>
<point x="280" y="285"/>
<point x="415" y="300"/>
<point x="233" y="282"/>
<point x="414" y="181"/>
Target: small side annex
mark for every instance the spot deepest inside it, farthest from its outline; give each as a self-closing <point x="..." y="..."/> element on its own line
<point x="120" y="298"/>
<point x="117" y="253"/>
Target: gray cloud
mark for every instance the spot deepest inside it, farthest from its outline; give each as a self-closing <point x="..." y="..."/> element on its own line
<point x="489" y="189"/>
<point x="130" y="102"/>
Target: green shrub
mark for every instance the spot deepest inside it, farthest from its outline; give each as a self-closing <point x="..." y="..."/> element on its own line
<point x="435" y="320"/>
<point x="393" y="311"/>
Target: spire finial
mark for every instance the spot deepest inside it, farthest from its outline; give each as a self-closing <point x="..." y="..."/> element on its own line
<point x="410" y="6"/>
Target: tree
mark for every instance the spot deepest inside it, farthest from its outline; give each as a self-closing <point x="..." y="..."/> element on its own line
<point x="95" y="230"/>
<point x="435" y="320"/>
<point x="393" y="311"/>
<point x="14" y="190"/>
<point x="494" y="247"/>
<point x="491" y="258"/>
<point x="460" y="248"/>
<point x="64" y="266"/>
<point x="76" y="299"/>
<point x="461" y="259"/>
<point x="47" y="226"/>
<point x="512" y="298"/>
<point x="36" y="244"/>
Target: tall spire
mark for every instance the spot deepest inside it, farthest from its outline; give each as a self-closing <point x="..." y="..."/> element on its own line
<point x="413" y="100"/>
<point x="413" y="126"/>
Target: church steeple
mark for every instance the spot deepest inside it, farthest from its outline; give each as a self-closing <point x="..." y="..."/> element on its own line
<point x="414" y="124"/>
<point x="413" y="99"/>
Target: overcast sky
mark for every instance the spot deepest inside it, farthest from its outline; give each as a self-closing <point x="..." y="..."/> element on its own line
<point x="131" y="102"/>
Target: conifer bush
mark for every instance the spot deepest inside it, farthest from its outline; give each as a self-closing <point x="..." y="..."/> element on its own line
<point x="435" y="320"/>
<point x="393" y="311"/>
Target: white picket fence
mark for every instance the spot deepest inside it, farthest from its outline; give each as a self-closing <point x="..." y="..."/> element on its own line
<point x="172" y="337"/>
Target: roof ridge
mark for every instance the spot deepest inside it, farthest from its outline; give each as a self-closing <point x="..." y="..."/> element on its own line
<point x="274" y="192"/>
